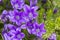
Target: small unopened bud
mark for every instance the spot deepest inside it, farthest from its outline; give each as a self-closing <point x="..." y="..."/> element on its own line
<point x="55" y="11"/>
<point x="44" y="1"/>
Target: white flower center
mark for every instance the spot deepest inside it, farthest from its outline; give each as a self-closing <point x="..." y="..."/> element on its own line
<point x="18" y="36"/>
<point x="30" y="15"/>
<point x="17" y="17"/>
<point x="37" y="30"/>
<point x="16" y="6"/>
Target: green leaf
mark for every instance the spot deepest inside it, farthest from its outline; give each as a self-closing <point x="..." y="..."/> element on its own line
<point x="1" y="37"/>
<point x="40" y="15"/>
<point x="1" y="9"/>
<point x="50" y="28"/>
<point x="57" y="23"/>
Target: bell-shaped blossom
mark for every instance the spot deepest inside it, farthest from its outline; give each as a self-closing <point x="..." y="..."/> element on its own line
<point x="30" y="26"/>
<point x="30" y="12"/>
<point x="4" y="15"/>
<point x="38" y="29"/>
<point x="17" y="4"/>
<point x="16" y="16"/>
<point x="17" y="35"/>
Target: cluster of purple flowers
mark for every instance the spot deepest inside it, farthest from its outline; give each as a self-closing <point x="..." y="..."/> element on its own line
<point x="11" y="32"/>
<point x="23" y="19"/>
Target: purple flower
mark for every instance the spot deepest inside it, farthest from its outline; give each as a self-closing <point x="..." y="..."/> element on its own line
<point x="33" y="2"/>
<point x="16" y="16"/>
<point x="17" y="4"/>
<point x="30" y="26"/>
<point x="7" y="28"/>
<point x="52" y="37"/>
<point x="17" y="35"/>
<point x="4" y="15"/>
<point x="38" y="29"/>
<point x="30" y="12"/>
<point x="6" y="37"/>
<point x="13" y="33"/>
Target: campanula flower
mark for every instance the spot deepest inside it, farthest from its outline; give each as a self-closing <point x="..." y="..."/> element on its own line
<point x="17" y="4"/>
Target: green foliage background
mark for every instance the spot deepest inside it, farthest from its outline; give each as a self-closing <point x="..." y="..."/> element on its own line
<point x="52" y="22"/>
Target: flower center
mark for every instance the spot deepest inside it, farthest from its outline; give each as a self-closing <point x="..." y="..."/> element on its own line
<point x="17" y="17"/>
<point x="16" y="6"/>
<point x="18" y="36"/>
<point x="37" y="30"/>
<point x="30" y="15"/>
